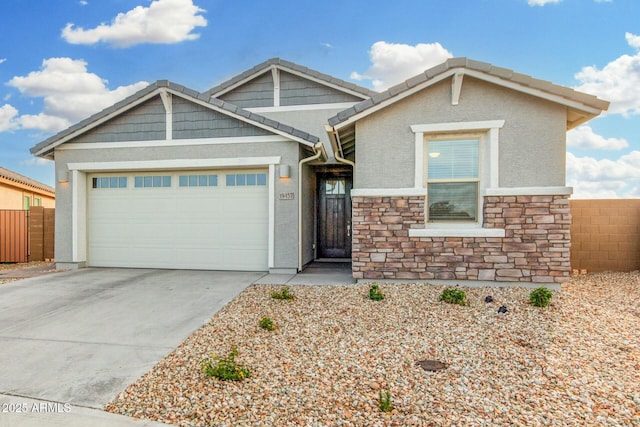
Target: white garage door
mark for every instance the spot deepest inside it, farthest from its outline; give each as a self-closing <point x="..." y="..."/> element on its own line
<point x="211" y="220"/>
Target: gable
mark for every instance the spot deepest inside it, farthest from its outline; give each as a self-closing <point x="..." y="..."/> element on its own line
<point x="295" y="90"/>
<point x="255" y="93"/>
<point x="279" y="83"/>
<point x="145" y="122"/>
<point x="581" y="107"/>
<point x="144" y="115"/>
<point x="191" y="120"/>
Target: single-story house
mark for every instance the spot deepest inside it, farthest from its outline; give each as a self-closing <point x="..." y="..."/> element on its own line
<point x="457" y="173"/>
<point x="18" y="192"/>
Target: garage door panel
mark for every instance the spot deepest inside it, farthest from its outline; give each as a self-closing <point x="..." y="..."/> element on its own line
<point x="216" y="227"/>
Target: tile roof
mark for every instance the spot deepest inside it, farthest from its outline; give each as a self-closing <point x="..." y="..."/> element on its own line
<point x="483" y="67"/>
<point x="226" y="106"/>
<point x="260" y="68"/>
<point x="16" y="177"/>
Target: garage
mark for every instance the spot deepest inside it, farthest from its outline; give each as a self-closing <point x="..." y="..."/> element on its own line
<point x="207" y="219"/>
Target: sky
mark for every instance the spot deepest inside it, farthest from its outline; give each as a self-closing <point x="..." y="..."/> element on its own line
<point x="63" y="60"/>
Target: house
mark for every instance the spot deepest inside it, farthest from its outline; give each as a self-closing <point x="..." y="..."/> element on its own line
<point x="17" y="192"/>
<point x="457" y="173"/>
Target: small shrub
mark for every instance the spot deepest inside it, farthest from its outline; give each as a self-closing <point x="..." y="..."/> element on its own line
<point x="267" y="324"/>
<point x="224" y="368"/>
<point x="283" y="294"/>
<point x="384" y="401"/>
<point x="454" y="296"/>
<point x="375" y="293"/>
<point x="540" y="297"/>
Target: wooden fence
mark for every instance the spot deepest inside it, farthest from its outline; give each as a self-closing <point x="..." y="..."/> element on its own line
<point x="14" y="236"/>
<point x="605" y="235"/>
<point x="27" y="235"/>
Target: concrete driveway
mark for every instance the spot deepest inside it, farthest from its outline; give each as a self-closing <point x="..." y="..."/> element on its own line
<point x="80" y="337"/>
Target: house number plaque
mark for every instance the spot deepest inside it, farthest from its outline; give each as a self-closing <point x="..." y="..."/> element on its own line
<point x="286" y="196"/>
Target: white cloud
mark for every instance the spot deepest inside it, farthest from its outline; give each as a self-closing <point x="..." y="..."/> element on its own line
<point x="36" y="161"/>
<point x="392" y="63"/>
<point x="164" y="21"/>
<point x="70" y="93"/>
<point x="43" y="122"/>
<point x="542" y="2"/>
<point x="604" y="178"/>
<point x="3" y="60"/>
<point x="8" y="114"/>
<point x="633" y="40"/>
<point x="584" y="137"/>
<point x="618" y="82"/>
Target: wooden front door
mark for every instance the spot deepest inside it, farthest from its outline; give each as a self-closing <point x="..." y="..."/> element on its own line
<point x="334" y="216"/>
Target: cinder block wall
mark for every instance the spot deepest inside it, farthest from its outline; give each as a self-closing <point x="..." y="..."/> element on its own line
<point x="605" y="235"/>
<point x="535" y="248"/>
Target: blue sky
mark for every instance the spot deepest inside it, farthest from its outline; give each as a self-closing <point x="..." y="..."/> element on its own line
<point x="62" y="60"/>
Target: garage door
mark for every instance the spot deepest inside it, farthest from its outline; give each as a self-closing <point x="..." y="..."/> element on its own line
<point x="211" y="220"/>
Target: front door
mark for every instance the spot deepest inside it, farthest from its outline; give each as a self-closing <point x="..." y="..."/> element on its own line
<point x="334" y="216"/>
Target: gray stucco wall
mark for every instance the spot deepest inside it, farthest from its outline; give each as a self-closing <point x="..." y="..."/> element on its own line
<point x="311" y="121"/>
<point x="532" y="141"/>
<point x="286" y="211"/>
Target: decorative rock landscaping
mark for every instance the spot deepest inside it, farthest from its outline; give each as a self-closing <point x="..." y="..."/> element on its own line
<point x="335" y="352"/>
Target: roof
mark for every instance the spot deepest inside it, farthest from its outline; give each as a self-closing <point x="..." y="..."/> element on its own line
<point x="45" y="148"/>
<point x="288" y="66"/>
<point x="583" y="103"/>
<point x="21" y="179"/>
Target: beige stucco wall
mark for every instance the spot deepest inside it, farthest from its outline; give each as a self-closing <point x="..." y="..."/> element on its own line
<point x="286" y="211"/>
<point x="12" y="197"/>
<point x="531" y="147"/>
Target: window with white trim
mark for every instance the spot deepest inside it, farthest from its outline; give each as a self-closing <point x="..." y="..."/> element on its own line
<point x="453" y="178"/>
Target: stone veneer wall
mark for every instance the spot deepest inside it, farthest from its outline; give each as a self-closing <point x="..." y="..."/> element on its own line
<point x="535" y="248"/>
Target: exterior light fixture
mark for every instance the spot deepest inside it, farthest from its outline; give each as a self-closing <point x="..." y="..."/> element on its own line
<point x="285" y="171"/>
<point x="63" y="177"/>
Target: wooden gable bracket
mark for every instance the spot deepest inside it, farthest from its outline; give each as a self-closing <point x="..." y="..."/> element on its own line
<point x="456" y="87"/>
<point x="168" y="108"/>
<point x="275" y="72"/>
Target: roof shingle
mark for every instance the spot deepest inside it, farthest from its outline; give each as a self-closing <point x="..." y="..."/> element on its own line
<point x="16" y="177"/>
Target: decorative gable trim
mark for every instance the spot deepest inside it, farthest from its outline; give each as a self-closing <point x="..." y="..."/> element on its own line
<point x="166" y="90"/>
<point x="292" y="68"/>
<point x="585" y="106"/>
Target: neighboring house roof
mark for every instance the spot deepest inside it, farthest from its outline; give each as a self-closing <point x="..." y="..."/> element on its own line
<point x="12" y="176"/>
<point x="581" y="106"/>
<point x="291" y="67"/>
<point x="46" y="147"/>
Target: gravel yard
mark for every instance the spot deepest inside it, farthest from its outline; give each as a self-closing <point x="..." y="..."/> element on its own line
<point x="574" y="363"/>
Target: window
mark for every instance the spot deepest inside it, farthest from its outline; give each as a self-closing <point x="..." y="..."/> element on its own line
<point x="26" y="203"/>
<point x="152" y="181"/>
<point x="453" y="179"/>
<point x="246" y="179"/>
<point x="36" y="201"/>
<point x="109" y="182"/>
<point x="198" y="180"/>
<point x="335" y="186"/>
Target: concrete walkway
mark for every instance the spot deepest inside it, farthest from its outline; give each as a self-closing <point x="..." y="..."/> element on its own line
<point x="25" y="412"/>
<point x="70" y="341"/>
<point x="316" y="273"/>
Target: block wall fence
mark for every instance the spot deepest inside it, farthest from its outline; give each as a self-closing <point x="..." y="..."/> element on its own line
<point x="605" y="235"/>
<point x="536" y="246"/>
